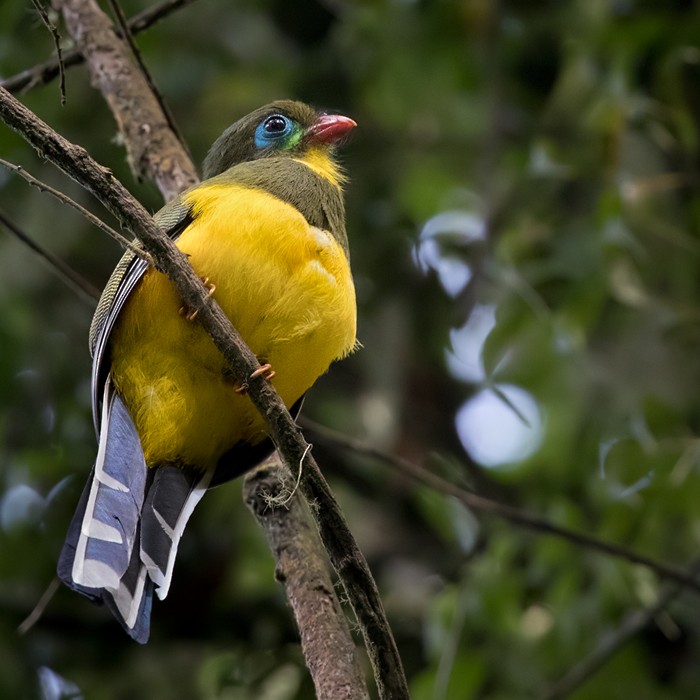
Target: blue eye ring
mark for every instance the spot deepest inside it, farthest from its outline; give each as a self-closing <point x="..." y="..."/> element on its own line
<point x="272" y="129"/>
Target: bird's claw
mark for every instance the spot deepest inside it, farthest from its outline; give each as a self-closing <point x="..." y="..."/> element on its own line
<point x="265" y="371"/>
<point x="184" y="309"/>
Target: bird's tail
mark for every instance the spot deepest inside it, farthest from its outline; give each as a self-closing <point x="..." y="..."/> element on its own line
<point x="123" y="538"/>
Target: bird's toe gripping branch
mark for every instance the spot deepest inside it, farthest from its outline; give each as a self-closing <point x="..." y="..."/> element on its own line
<point x="184" y="309"/>
<point x="265" y="371"/>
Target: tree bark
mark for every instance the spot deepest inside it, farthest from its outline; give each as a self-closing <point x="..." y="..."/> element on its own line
<point x="153" y="150"/>
<point x="302" y="569"/>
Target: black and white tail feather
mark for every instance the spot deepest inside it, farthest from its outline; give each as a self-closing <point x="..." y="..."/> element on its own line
<point x="123" y="539"/>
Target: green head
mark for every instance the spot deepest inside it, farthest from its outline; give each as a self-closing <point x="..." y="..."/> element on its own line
<point x="283" y="127"/>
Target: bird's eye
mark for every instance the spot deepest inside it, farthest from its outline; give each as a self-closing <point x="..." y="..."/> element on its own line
<point x="275" y="132"/>
<point x="276" y="124"/>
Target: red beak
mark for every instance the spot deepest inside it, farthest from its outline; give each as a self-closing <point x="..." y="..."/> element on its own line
<point x="328" y="128"/>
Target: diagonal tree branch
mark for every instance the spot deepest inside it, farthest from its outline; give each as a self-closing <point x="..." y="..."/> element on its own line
<point x="94" y="220"/>
<point x="86" y="291"/>
<point x="53" y="30"/>
<point x="35" y="615"/>
<point x="345" y="555"/>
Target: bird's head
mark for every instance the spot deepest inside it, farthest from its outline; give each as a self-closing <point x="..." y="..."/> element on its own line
<point x="279" y="128"/>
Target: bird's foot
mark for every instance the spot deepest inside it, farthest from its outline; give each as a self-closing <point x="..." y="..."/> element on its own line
<point x="184" y="309"/>
<point x="265" y="371"/>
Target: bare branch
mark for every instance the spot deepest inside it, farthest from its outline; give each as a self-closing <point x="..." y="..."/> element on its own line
<point x="39" y="608"/>
<point x="152" y="148"/>
<point x="125" y="32"/>
<point x="86" y="291"/>
<point x="94" y="220"/>
<point x="514" y="515"/>
<point x="44" y="73"/>
<point x="301" y="568"/>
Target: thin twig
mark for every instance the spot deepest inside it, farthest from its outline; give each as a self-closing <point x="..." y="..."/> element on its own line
<point x="126" y="32"/>
<point x="514" y="515"/>
<point x="343" y="551"/>
<point x="609" y="645"/>
<point x="44" y="73"/>
<point x="39" y="608"/>
<point x="282" y="498"/>
<point x="86" y="291"/>
<point x="94" y="220"/>
<point x="53" y="30"/>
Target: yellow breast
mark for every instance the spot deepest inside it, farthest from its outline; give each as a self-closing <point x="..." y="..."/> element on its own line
<point x="287" y="288"/>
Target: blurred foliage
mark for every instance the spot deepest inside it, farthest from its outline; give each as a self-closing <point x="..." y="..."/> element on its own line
<point x="525" y="173"/>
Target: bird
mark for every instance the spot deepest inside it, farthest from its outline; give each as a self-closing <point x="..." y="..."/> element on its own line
<point x="265" y="230"/>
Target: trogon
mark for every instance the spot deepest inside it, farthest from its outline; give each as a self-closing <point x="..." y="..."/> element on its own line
<point x="265" y="230"/>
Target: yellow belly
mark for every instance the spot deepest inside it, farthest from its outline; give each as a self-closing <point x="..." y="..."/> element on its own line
<point x="286" y="287"/>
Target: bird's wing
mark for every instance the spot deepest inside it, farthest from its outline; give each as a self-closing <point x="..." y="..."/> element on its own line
<point x="173" y="218"/>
